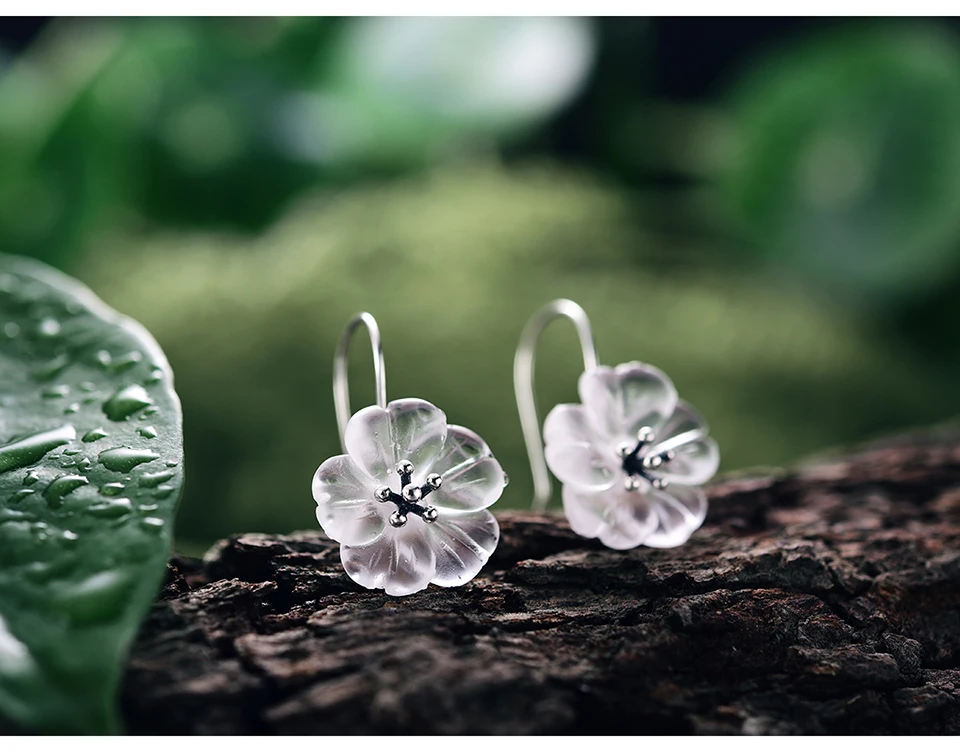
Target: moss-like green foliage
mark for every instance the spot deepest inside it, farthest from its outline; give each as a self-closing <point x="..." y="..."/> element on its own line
<point x="452" y="264"/>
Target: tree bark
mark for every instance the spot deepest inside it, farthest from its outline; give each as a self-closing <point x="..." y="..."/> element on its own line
<point x="824" y="600"/>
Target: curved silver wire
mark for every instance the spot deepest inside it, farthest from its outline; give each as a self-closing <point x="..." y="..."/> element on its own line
<point x="523" y="365"/>
<point x="341" y="385"/>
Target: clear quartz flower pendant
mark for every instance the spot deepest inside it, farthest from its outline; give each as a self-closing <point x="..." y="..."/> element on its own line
<point x="408" y="499"/>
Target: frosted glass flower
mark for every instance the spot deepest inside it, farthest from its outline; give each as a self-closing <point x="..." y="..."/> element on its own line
<point x="631" y="458"/>
<point x="408" y="502"/>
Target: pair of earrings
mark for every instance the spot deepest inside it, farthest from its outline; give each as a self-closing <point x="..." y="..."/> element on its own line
<point x="408" y="500"/>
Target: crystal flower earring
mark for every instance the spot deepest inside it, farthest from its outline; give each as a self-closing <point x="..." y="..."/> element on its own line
<point x="407" y="501"/>
<point x="630" y="457"/>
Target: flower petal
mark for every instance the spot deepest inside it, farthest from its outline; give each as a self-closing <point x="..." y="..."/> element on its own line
<point x="685" y="424"/>
<point x="679" y="510"/>
<point x="582" y="466"/>
<point x="472" y="478"/>
<point x="346" y="509"/>
<point x="568" y="424"/>
<point x="620" y="519"/>
<point x="418" y="430"/>
<point x="408" y="429"/>
<point x="694" y="462"/>
<point x="462" y="544"/>
<point x="367" y="440"/>
<point x="584" y="511"/>
<point x="400" y="562"/>
<point x="621" y="400"/>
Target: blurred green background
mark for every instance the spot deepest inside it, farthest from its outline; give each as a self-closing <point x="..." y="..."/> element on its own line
<point x="767" y="209"/>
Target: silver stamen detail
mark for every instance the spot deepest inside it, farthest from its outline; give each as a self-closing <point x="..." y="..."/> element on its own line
<point x="412" y="493"/>
<point x="645" y="435"/>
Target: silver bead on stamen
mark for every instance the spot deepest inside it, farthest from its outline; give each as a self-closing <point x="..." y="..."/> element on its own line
<point x="645" y="435"/>
<point x="434" y="481"/>
<point x="412" y="493"/>
<point x="430" y="514"/>
<point x="397" y="519"/>
<point x="624" y="450"/>
<point x="631" y="483"/>
<point x="405" y="467"/>
<point x="652" y="461"/>
<point x="382" y="493"/>
<point x="660" y="483"/>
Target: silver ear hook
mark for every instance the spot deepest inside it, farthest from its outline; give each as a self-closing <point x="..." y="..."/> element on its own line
<point x="523" y="365"/>
<point x="341" y="385"/>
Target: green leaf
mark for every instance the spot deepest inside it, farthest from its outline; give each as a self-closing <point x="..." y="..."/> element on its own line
<point x="90" y="474"/>
<point x="848" y="166"/>
<point x="464" y="82"/>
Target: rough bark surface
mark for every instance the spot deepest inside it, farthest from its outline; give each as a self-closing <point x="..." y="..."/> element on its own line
<point x="825" y="600"/>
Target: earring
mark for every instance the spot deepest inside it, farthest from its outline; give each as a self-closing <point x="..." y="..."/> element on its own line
<point x="408" y="498"/>
<point x="630" y="457"/>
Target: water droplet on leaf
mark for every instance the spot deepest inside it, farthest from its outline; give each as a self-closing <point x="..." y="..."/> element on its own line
<point x="110" y="509"/>
<point x="63" y="485"/>
<point x="123" y="362"/>
<point x="112" y="489"/>
<point x="94" y="434"/>
<point x="152" y="480"/>
<point x="33" y="448"/>
<point x="49" y="328"/>
<point x="164" y="491"/>
<point x="123" y="460"/>
<point x="126" y="402"/>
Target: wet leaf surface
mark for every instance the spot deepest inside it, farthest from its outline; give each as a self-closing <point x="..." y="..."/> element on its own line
<point x="90" y="474"/>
